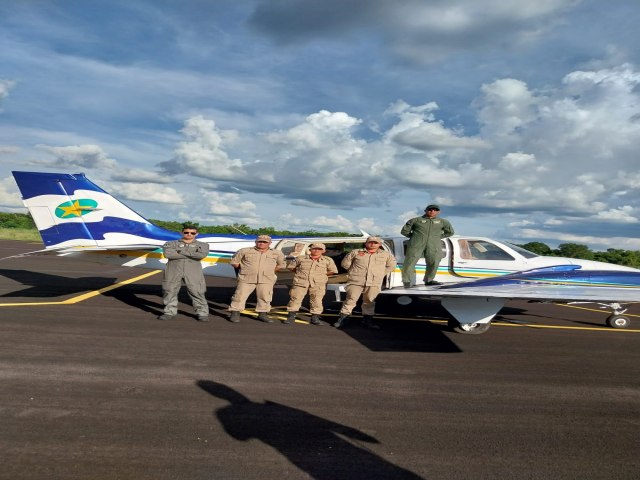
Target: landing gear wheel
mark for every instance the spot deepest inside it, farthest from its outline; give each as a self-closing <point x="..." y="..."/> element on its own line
<point x="470" y="328"/>
<point x="618" y="321"/>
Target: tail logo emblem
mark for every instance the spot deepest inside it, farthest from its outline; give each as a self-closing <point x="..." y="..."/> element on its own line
<point x="76" y="208"/>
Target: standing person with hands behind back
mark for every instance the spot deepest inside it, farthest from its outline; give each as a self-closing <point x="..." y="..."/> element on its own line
<point x="424" y="234"/>
<point x="183" y="263"/>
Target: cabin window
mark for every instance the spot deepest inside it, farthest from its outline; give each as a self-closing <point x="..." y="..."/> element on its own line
<point x="482" y="250"/>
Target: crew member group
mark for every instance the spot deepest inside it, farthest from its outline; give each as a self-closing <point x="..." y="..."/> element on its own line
<point x="257" y="266"/>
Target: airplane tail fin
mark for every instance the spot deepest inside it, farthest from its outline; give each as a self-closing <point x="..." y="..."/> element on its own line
<point x="70" y="211"/>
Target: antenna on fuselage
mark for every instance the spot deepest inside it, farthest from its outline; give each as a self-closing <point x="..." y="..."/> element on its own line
<point x="235" y="228"/>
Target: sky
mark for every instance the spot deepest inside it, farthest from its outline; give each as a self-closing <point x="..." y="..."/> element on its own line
<point x="520" y="119"/>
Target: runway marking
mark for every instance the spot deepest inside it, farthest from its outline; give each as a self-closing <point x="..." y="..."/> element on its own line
<point x="277" y="313"/>
<point x="593" y="309"/>
<point x="84" y="296"/>
<point x="560" y="327"/>
<point x="445" y="322"/>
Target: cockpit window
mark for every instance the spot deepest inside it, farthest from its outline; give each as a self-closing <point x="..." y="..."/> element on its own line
<point x="522" y="251"/>
<point x="482" y="250"/>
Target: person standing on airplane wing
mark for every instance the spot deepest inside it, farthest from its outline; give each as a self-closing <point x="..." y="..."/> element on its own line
<point x="424" y="234"/>
<point x="367" y="269"/>
<point x="257" y="267"/>
<point x="183" y="263"/>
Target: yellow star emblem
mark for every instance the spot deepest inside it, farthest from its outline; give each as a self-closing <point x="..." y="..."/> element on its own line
<point x="73" y="210"/>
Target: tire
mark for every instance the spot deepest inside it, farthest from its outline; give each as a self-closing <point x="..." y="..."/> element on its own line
<point x="618" y="321"/>
<point x="469" y="328"/>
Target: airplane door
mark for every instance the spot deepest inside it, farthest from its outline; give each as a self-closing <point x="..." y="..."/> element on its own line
<point x="443" y="274"/>
<point x="482" y="258"/>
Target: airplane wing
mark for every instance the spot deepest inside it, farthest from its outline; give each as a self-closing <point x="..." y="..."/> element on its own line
<point x="565" y="293"/>
<point x="474" y="304"/>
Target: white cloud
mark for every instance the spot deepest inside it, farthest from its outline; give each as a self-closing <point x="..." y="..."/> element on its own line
<point x="83" y="156"/>
<point x="229" y="205"/>
<point x="505" y="106"/>
<point x="7" y="150"/>
<point x="5" y="87"/>
<point x="146" y="192"/>
<point x="623" y="214"/>
<point x="416" y="31"/>
<point x="203" y="154"/>
<point x="298" y="121"/>
<point x="319" y="155"/>
<point x="320" y="223"/>
<point x="138" y="175"/>
<point x="9" y="194"/>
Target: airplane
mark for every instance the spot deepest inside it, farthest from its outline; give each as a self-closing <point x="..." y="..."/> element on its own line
<point x="76" y="217"/>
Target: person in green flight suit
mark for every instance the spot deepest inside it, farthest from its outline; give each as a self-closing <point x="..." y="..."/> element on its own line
<point x="424" y="234"/>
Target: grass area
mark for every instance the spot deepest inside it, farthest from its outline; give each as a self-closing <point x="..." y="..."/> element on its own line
<point x="26" y="234"/>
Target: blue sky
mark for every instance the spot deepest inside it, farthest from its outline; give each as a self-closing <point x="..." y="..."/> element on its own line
<point x="521" y="119"/>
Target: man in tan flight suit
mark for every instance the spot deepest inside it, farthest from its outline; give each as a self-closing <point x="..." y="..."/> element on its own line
<point x="367" y="268"/>
<point x="257" y="271"/>
<point x="183" y="263"/>
<point x="312" y="273"/>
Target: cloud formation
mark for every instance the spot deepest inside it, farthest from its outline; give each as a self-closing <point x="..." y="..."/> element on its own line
<point x="520" y="119"/>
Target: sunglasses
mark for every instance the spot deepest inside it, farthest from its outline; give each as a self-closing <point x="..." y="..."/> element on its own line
<point x="261" y="241"/>
<point x="189" y="233"/>
<point x="432" y="210"/>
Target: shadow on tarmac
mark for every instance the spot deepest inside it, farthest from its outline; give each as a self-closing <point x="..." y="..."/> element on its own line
<point x="396" y="335"/>
<point x="313" y="444"/>
<point x="43" y="285"/>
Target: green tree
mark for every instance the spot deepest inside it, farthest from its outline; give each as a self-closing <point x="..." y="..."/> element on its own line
<point x="574" y="250"/>
<point x="16" y="220"/>
<point x="628" y="258"/>
<point x="538" y="247"/>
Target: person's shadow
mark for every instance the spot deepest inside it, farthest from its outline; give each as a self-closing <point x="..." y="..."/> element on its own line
<point x="313" y="444"/>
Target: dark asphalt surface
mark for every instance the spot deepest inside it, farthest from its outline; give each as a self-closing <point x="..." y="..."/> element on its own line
<point x="100" y="389"/>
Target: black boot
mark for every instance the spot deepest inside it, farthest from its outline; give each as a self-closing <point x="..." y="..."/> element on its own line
<point x="315" y="320"/>
<point x="367" y="322"/>
<point x="291" y="317"/>
<point x="234" y="317"/>
<point x="342" y="321"/>
<point x="264" y="317"/>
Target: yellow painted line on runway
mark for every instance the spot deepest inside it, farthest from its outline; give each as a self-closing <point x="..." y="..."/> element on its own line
<point x="278" y="313"/>
<point x="593" y="309"/>
<point x="84" y="296"/>
<point x="560" y="327"/>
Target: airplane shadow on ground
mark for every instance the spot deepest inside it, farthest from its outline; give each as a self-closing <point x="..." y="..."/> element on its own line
<point x="507" y="314"/>
<point x="396" y="335"/>
<point x="43" y="285"/>
<point x="311" y="443"/>
<point x="402" y="328"/>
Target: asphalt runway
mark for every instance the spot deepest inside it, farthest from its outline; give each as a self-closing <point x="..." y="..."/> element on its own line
<point x="94" y="387"/>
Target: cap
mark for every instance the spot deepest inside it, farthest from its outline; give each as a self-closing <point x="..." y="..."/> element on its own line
<point x="432" y="207"/>
<point x="317" y="245"/>
<point x="374" y="239"/>
<point x="264" y="237"/>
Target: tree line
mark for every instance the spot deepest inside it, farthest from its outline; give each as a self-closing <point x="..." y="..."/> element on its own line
<point x="630" y="258"/>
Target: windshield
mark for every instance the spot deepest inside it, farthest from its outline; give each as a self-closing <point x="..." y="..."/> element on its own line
<point x="522" y="251"/>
